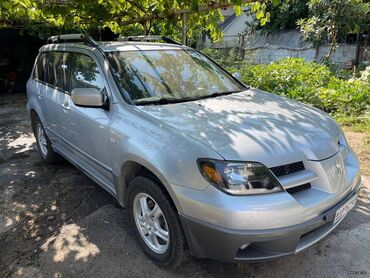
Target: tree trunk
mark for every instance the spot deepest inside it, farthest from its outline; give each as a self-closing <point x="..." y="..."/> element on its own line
<point x="365" y="47"/>
<point x="184" y="32"/>
<point x="357" y="54"/>
<point x="317" y="49"/>
<point x="241" y="47"/>
<point x="333" y="43"/>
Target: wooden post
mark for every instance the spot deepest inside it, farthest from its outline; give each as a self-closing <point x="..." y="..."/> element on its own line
<point x="365" y="47"/>
<point x="184" y="39"/>
<point x="357" y="54"/>
<point x="241" y="46"/>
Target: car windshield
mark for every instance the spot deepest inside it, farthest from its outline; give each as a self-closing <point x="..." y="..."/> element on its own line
<point x="168" y="76"/>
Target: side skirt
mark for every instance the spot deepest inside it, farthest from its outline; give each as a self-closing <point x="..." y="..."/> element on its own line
<point x="78" y="163"/>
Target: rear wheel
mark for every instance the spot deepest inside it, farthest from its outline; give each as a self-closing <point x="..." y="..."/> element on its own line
<point x="156" y="222"/>
<point x="43" y="143"/>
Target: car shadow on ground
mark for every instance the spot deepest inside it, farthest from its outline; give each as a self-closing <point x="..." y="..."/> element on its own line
<point x="56" y="222"/>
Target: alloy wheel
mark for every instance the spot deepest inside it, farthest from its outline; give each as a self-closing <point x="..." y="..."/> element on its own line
<point x="151" y="223"/>
<point x="41" y="138"/>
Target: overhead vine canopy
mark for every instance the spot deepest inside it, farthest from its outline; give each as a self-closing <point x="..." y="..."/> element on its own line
<point x="125" y="17"/>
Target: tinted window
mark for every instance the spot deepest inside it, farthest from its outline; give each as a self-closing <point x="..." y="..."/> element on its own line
<point x="57" y="69"/>
<point x="85" y="73"/>
<point x="39" y="72"/>
<point x="51" y="67"/>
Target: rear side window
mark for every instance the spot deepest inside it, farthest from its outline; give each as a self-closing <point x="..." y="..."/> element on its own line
<point x="51" y="68"/>
<point x="39" y="72"/>
<point x="57" y="69"/>
<point x="85" y="73"/>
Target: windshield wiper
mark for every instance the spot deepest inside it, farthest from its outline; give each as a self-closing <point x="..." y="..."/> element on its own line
<point x="162" y="100"/>
<point x="216" y="94"/>
<point x="168" y="100"/>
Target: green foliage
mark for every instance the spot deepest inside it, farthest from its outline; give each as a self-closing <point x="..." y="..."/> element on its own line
<point x="284" y="15"/>
<point x="359" y="124"/>
<point x="313" y="30"/>
<point x="365" y="75"/>
<point x="311" y="83"/>
<point x="335" y="69"/>
<point x="328" y="20"/>
<point x="227" y="58"/>
<point x="41" y="16"/>
<point x="345" y="97"/>
<point x="290" y="77"/>
<point x="260" y="11"/>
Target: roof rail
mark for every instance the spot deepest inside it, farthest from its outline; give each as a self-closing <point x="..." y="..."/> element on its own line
<point x="86" y="39"/>
<point x="149" y="38"/>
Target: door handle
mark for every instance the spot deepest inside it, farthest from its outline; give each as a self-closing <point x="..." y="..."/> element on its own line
<point x="65" y="106"/>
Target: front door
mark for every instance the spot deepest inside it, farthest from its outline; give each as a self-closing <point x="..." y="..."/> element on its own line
<point x="87" y="129"/>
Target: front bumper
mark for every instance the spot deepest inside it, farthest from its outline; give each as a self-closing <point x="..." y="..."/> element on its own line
<point x="209" y="241"/>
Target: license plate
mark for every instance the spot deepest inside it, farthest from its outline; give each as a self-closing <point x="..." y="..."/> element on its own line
<point x="342" y="211"/>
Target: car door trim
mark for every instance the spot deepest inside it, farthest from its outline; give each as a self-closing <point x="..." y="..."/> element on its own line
<point x="105" y="167"/>
<point x="80" y="164"/>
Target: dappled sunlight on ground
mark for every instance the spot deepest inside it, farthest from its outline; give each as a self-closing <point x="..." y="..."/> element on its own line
<point x="7" y="222"/>
<point x="22" y="143"/>
<point x="27" y="272"/>
<point x="70" y="241"/>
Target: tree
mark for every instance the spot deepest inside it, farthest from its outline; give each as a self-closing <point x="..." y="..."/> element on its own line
<point x="124" y="17"/>
<point x="329" y="19"/>
<point x="285" y="14"/>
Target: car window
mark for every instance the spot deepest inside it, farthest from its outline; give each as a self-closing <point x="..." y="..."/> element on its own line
<point x="175" y="74"/>
<point x="57" y="69"/>
<point x="85" y="73"/>
<point x="39" y="72"/>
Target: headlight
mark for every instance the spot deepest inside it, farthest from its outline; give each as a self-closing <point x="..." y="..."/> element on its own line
<point x="239" y="178"/>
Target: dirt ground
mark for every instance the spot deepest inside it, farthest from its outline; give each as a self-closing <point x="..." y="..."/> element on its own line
<point x="56" y="222"/>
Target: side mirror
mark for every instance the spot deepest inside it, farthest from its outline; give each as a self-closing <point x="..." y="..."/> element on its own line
<point x="236" y="75"/>
<point x="87" y="97"/>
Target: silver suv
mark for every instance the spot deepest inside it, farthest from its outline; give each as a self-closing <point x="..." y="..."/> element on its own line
<point x="204" y="164"/>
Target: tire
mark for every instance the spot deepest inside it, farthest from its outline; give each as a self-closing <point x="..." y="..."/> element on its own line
<point x="172" y="253"/>
<point x="43" y="142"/>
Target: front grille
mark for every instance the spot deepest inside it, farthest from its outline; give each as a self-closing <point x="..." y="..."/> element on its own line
<point x="287" y="169"/>
<point x="299" y="188"/>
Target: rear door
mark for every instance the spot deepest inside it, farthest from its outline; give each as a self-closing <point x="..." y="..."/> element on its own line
<point x="39" y="86"/>
<point x="50" y="85"/>
<point x="56" y="79"/>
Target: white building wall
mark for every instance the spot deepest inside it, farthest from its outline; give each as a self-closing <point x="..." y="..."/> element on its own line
<point x="263" y="49"/>
<point x="232" y="30"/>
<point x="264" y="55"/>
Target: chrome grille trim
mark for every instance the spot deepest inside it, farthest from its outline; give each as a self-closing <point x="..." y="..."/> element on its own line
<point x="299" y="188"/>
<point x="297" y="179"/>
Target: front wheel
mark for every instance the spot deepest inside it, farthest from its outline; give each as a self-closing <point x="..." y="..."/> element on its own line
<point x="156" y="223"/>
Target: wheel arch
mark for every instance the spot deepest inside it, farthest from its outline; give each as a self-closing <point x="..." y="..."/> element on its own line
<point x="35" y="111"/>
<point x="133" y="168"/>
<point x="33" y="115"/>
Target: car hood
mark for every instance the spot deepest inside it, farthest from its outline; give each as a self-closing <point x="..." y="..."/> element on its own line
<point x="254" y="126"/>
